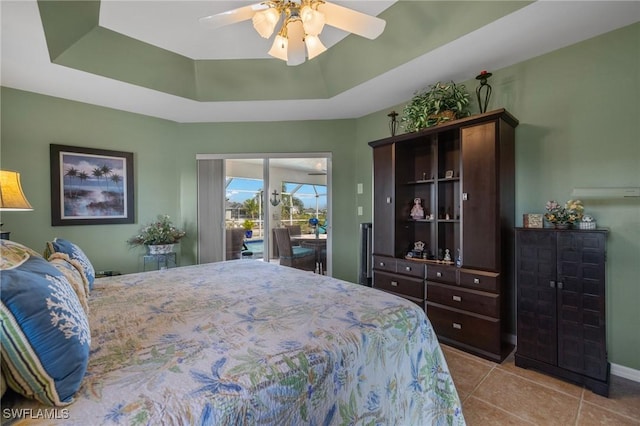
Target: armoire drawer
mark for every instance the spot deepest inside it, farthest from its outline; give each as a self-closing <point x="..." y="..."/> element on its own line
<point x="474" y="330"/>
<point x="407" y="267"/>
<point x="441" y="274"/>
<point x="480" y="280"/>
<point x="383" y="263"/>
<point x="475" y="301"/>
<point x="399" y="284"/>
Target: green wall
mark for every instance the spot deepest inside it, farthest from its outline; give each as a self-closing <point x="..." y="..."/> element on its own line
<point x="164" y="167"/>
<point x="578" y="111"/>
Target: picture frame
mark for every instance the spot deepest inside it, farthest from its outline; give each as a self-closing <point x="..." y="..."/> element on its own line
<point x="91" y="186"/>
<point x="448" y="174"/>
<point x="532" y="220"/>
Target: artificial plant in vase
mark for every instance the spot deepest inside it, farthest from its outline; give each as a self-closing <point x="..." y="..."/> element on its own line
<point x="161" y="232"/>
<point x="439" y="103"/>
<point x="564" y="216"/>
<point x="248" y="228"/>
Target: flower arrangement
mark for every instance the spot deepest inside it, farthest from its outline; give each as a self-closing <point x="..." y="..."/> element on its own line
<point x="570" y="213"/>
<point x="159" y="232"/>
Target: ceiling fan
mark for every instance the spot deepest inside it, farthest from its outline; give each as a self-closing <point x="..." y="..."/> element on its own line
<point x="302" y="23"/>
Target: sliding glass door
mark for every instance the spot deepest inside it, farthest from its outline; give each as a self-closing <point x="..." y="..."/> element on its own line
<point x="242" y="198"/>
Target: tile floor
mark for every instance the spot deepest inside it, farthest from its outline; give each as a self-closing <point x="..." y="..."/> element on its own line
<point x="503" y="394"/>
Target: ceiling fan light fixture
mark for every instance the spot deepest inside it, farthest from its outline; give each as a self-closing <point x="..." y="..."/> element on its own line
<point x="314" y="46"/>
<point x="280" y="47"/>
<point x="302" y="23"/>
<point x="264" y="22"/>
<point x="312" y="20"/>
<point x="296" y="49"/>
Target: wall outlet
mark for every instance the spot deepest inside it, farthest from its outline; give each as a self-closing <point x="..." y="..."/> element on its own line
<point x="359" y="210"/>
<point x="359" y="190"/>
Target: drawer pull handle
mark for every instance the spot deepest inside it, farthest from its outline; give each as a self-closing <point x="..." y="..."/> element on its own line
<point x="381" y="263"/>
<point x="457" y="326"/>
<point x="394" y="283"/>
<point x="438" y="274"/>
<point x="476" y="280"/>
<point x="408" y="268"/>
<point x="457" y="299"/>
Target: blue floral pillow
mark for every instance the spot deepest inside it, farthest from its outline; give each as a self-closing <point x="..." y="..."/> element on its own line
<point x="45" y="336"/>
<point x="59" y="245"/>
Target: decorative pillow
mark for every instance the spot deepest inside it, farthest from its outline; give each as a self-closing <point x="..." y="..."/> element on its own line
<point x="58" y="245"/>
<point x="72" y="270"/>
<point x="45" y="336"/>
<point x="14" y="254"/>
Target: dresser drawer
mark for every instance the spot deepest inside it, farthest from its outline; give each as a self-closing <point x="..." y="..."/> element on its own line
<point x="474" y="330"/>
<point x="399" y="284"/>
<point x="383" y="263"/>
<point x="442" y="274"/>
<point x="407" y="267"/>
<point x="480" y="280"/>
<point x="478" y="302"/>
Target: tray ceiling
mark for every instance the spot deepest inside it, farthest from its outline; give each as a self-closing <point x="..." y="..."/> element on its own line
<point x="225" y="75"/>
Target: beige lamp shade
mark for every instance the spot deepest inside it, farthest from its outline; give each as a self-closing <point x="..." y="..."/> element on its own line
<point x="11" y="196"/>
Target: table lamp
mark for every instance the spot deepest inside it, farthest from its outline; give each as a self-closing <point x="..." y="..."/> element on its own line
<point x="11" y="196"/>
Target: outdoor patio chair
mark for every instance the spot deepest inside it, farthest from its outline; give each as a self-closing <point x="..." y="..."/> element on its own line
<point x="294" y="256"/>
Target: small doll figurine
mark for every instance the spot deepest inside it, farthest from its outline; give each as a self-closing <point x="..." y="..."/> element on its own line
<point x="447" y="256"/>
<point x="417" y="212"/>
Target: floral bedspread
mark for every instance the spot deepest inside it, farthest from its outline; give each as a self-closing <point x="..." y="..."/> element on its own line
<point x="250" y="343"/>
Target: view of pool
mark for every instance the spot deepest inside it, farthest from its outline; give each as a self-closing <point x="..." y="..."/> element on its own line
<point x="256" y="247"/>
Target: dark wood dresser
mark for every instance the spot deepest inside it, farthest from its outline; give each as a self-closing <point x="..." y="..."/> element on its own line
<point x="561" y="292"/>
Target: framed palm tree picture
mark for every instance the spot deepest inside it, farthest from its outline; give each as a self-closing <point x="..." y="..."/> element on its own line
<point x="91" y="186"/>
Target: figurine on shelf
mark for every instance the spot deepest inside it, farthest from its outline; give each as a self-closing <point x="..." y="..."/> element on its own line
<point x="447" y="256"/>
<point x="417" y="212"/>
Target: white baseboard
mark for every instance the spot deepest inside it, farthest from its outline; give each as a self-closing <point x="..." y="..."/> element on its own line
<point x="625" y="372"/>
<point x="616" y="369"/>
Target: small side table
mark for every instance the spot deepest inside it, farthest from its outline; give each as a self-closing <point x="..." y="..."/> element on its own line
<point x="153" y="262"/>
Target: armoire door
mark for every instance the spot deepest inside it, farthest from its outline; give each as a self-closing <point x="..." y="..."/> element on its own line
<point x="480" y="214"/>
<point x="383" y="201"/>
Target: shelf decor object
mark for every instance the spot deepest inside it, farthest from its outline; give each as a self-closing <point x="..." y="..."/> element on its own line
<point x="393" y="123"/>
<point x="484" y="85"/>
<point x="532" y="220"/>
<point x="438" y="104"/>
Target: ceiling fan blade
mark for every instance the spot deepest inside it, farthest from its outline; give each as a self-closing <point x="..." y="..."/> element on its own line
<point x="352" y="21"/>
<point x="232" y="16"/>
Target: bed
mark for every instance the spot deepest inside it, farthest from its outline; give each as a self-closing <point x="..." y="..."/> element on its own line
<point x="245" y="342"/>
